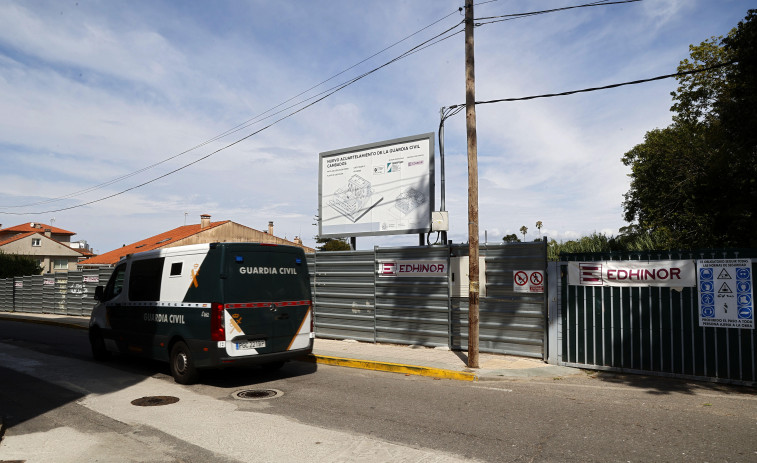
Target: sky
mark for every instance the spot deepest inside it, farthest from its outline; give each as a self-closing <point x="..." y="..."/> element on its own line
<point x="122" y="120"/>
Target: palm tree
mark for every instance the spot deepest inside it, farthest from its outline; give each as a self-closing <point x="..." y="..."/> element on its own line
<point x="524" y="230"/>
<point x="538" y="226"/>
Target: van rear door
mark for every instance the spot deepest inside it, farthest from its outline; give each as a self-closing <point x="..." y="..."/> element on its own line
<point x="267" y="303"/>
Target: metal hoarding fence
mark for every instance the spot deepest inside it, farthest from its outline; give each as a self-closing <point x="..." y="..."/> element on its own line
<point x="343" y="294"/>
<point x="510" y="322"/>
<point x="651" y="330"/>
<point x="404" y="296"/>
<point x="412" y="307"/>
<point x="398" y="295"/>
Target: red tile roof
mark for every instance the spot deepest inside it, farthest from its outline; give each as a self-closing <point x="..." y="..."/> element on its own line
<point x="154" y="242"/>
<point x="16" y="237"/>
<point x="27" y="227"/>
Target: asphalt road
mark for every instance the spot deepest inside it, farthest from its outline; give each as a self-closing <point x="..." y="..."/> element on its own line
<point x="57" y="402"/>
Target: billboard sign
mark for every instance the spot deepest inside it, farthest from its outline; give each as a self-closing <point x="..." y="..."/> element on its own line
<point x="384" y="188"/>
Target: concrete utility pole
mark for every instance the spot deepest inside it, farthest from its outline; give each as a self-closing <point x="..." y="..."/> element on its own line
<point x="470" y="118"/>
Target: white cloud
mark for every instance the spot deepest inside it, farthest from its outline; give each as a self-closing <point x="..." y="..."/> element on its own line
<point x="96" y="91"/>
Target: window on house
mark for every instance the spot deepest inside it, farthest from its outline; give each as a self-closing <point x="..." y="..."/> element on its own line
<point x="60" y="264"/>
<point x="36" y="241"/>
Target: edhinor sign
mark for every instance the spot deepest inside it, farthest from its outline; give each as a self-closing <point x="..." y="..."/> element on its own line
<point x="662" y="273"/>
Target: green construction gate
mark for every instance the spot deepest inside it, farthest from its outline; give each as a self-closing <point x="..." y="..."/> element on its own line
<point x="649" y="330"/>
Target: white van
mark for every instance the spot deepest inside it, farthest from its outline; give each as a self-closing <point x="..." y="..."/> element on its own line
<point x="207" y="306"/>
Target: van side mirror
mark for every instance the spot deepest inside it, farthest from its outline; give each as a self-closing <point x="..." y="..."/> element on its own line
<point x="99" y="293"/>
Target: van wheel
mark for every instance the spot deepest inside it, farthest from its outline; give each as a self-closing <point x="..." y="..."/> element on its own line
<point x="182" y="365"/>
<point x="97" y="342"/>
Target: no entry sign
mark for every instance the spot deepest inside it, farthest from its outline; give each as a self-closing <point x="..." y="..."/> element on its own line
<point x="528" y="281"/>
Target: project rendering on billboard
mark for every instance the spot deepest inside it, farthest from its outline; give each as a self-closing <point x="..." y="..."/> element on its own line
<point x="383" y="188"/>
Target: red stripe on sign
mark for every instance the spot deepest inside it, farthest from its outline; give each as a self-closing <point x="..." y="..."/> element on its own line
<point x="257" y="305"/>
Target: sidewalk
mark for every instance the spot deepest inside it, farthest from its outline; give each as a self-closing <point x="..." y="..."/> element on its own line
<point x="409" y="360"/>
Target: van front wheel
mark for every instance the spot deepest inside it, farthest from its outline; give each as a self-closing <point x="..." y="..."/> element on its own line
<point x="182" y="364"/>
<point x="99" y="352"/>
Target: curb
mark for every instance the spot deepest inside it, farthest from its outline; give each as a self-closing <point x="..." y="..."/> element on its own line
<point x="322" y="359"/>
<point x="395" y="368"/>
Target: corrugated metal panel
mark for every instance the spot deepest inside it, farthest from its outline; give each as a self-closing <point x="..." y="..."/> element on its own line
<point x="651" y="330"/>
<point x="74" y="293"/>
<point x="48" y="293"/>
<point x="413" y="310"/>
<point x="61" y="288"/>
<point x="36" y="297"/>
<point x="343" y="283"/>
<point x="18" y="293"/>
<point x="91" y="279"/>
<point x="30" y="294"/>
<point x="6" y="295"/>
<point x="509" y="322"/>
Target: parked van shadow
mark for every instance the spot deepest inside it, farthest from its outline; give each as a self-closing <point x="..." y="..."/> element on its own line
<point x="254" y="375"/>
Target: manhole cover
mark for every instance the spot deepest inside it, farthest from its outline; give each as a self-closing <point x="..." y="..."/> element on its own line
<point x="154" y="401"/>
<point x="256" y="394"/>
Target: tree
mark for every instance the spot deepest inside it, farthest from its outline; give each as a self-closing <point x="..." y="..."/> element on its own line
<point x="539" y="225"/>
<point x="511" y="238"/>
<point x="333" y="244"/>
<point x="15" y="265"/>
<point x="524" y="230"/>
<point x="694" y="183"/>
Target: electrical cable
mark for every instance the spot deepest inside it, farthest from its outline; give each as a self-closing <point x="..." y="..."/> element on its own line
<point x="237" y="128"/>
<point x="508" y="17"/>
<point x="334" y="90"/>
<point x="604" y="87"/>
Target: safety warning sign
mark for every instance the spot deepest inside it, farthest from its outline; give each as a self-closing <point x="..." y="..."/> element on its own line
<point x="725" y="293"/>
<point x="528" y="281"/>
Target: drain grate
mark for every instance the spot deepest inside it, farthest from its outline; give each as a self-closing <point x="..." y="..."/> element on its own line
<point x="154" y="401"/>
<point x="256" y="394"/>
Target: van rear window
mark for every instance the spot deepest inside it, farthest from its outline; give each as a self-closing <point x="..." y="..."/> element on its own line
<point x="266" y="276"/>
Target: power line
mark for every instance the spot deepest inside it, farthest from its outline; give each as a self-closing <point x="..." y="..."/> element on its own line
<point x="249" y="122"/>
<point x="604" y="87"/>
<point x="334" y="90"/>
<point x="509" y="17"/>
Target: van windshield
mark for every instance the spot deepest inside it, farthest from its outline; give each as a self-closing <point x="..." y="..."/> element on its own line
<point x="266" y="274"/>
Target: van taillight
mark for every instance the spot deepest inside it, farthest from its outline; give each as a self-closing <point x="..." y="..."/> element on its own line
<point x="217" y="325"/>
<point x="312" y="319"/>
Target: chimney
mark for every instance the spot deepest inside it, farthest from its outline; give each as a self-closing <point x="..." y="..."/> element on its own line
<point x="270" y="228"/>
<point x="297" y="240"/>
<point x="48" y="232"/>
<point x="204" y="221"/>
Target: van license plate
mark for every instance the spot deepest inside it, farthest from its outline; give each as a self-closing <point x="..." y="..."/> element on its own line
<point x="251" y="344"/>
